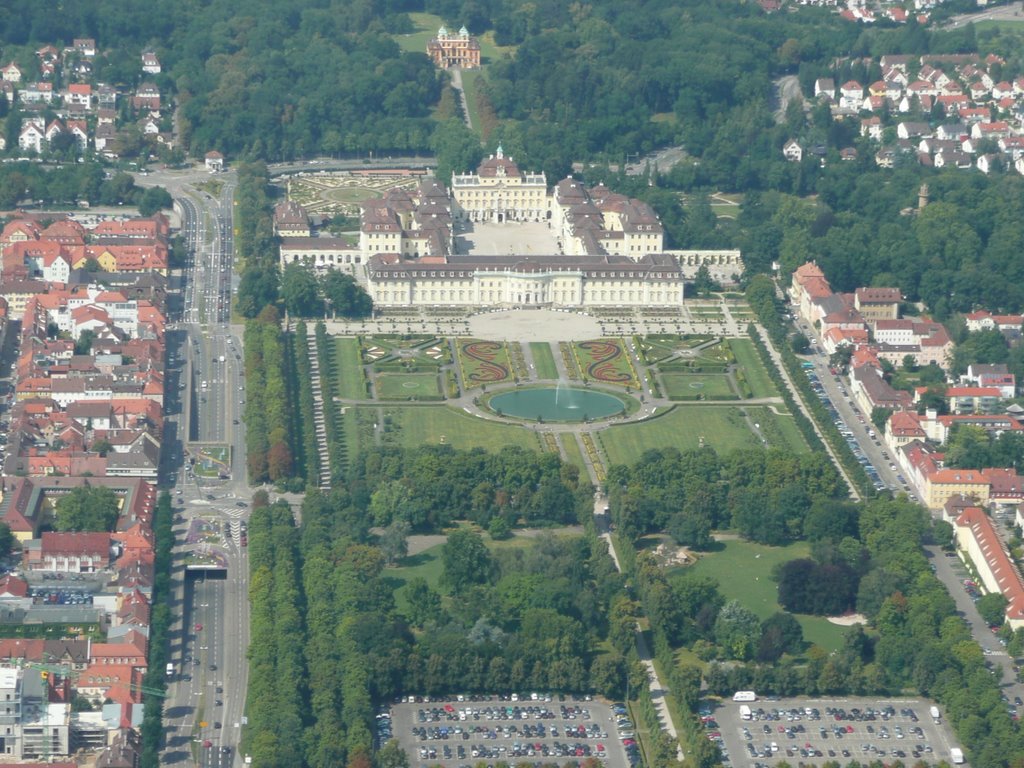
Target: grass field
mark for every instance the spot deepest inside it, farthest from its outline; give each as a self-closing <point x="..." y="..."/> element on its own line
<point x="426" y="565"/>
<point x="722" y="427"/>
<point x="743" y="572"/>
<point x="350" y="377"/>
<point x="544" y="360"/>
<point x="692" y="386"/>
<point x="427" y="425"/>
<point x="572" y="451"/>
<point x="780" y="430"/>
<point x="749" y="360"/>
<point x="402" y="386"/>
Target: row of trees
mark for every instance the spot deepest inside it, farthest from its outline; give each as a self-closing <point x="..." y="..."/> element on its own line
<point x="430" y="486"/>
<point x="152" y="729"/>
<point x="255" y="244"/>
<point x="277" y="691"/>
<point x="307" y="451"/>
<point x="268" y="410"/>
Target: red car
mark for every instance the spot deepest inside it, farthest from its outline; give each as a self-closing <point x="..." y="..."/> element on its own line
<point x="199" y="627"/>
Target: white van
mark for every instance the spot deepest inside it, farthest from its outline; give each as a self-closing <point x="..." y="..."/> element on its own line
<point x="744" y="696"/>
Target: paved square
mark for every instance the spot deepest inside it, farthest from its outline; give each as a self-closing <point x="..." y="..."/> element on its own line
<point x="522" y="239"/>
<point x="455" y="733"/>
<point x="814" y="731"/>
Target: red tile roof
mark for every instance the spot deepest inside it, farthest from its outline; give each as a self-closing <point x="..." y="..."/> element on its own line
<point x="998" y="559"/>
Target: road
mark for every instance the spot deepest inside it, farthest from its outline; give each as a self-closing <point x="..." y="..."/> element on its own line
<point x="210" y="635"/>
<point x="1011" y="12"/>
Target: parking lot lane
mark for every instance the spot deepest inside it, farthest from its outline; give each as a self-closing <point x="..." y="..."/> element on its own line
<point x="814" y="731"/>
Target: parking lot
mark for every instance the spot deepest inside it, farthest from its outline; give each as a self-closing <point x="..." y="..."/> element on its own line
<point x="463" y="730"/>
<point x="813" y="731"/>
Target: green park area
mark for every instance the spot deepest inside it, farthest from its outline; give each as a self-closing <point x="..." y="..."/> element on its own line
<point x="749" y="362"/>
<point x="407" y="386"/>
<point x="722" y="427"/>
<point x="348" y="369"/>
<point x="743" y="570"/>
<point x="442" y="425"/>
<point x="697" y="386"/>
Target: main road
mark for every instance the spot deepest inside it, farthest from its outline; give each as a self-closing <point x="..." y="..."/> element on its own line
<point x="205" y="706"/>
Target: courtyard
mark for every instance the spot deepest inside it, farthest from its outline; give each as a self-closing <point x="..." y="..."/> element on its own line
<point x="488" y="239"/>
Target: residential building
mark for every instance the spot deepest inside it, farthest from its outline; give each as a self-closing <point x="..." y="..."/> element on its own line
<point x="978" y="540"/>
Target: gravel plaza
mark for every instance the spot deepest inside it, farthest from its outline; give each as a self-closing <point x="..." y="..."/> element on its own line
<point x="814" y="731"/>
<point x="455" y="733"/>
<point x="523" y="238"/>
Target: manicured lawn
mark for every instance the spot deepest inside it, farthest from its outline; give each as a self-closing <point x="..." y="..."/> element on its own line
<point x="544" y="359"/>
<point x="483" y="362"/>
<point x="349" y="369"/>
<point x="694" y="386"/>
<point x="427" y="425"/>
<point x="749" y="361"/>
<point x="572" y="451"/>
<point x="722" y="427"/>
<point x="743" y="572"/>
<point x="402" y="386"/>
<point x="781" y="431"/>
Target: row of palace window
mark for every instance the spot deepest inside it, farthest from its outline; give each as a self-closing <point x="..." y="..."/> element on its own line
<point x="489" y="296"/>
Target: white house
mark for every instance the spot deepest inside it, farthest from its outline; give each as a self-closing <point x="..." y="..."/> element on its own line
<point x="792" y="151"/>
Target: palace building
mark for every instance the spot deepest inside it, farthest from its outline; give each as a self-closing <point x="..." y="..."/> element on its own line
<point x="461" y="50"/>
<point x="606" y="249"/>
<point x="536" y="281"/>
<point x="499" y="192"/>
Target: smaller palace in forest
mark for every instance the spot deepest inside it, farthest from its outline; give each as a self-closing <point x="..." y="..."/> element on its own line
<point x="571" y="246"/>
<point x="448" y="50"/>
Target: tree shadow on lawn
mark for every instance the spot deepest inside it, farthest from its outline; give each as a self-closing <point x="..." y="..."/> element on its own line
<point x="412" y="561"/>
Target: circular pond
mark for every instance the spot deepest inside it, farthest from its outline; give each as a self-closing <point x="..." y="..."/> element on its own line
<point x="557" y="404"/>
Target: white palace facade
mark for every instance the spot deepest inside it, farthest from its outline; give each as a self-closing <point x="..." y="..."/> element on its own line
<point x="610" y="247"/>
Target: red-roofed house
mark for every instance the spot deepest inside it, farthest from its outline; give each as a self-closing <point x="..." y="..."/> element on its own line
<point x="903" y="427"/>
<point x="978" y="540"/>
<point x="73" y="552"/>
